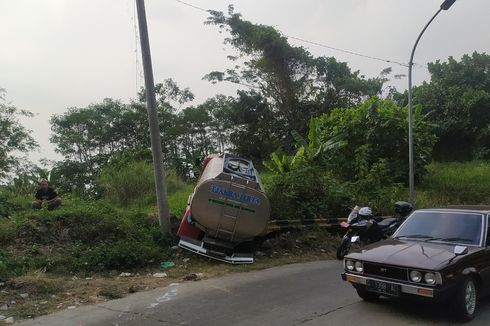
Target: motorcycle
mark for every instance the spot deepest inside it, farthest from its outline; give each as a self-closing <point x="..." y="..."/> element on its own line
<point x="365" y="228"/>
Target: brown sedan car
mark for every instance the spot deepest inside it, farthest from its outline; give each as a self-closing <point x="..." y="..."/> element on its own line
<point x="439" y="254"/>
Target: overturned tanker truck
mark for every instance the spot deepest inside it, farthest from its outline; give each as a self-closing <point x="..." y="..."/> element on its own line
<point x="226" y="212"/>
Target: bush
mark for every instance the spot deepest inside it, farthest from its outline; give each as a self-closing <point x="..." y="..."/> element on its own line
<point x="375" y="132"/>
<point x="306" y="192"/>
<point x="81" y="236"/>
<point x="378" y="190"/>
<point x="9" y="266"/>
<point x="118" y="255"/>
<point x="134" y="183"/>
<point x="126" y="185"/>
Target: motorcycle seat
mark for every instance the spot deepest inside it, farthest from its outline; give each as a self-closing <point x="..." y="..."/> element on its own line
<point x="387" y="222"/>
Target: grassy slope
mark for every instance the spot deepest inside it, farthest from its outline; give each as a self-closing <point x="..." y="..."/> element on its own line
<point x="455" y="183"/>
<point x="54" y="252"/>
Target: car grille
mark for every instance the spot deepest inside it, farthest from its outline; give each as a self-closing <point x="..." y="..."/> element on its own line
<point x="386" y="271"/>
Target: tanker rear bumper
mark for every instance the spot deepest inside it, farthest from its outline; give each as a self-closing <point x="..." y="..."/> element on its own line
<point x="197" y="247"/>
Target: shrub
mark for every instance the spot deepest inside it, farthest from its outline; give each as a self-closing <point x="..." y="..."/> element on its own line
<point x="128" y="184"/>
<point x="118" y="255"/>
<point x="134" y="183"/>
<point x="81" y="236"/>
<point x="378" y="189"/>
<point x="9" y="266"/>
<point x="375" y="132"/>
<point x="306" y="192"/>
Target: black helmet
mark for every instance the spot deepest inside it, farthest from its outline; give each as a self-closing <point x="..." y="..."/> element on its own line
<point x="403" y="208"/>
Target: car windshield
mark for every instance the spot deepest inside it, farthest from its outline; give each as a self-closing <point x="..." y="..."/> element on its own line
<point x="455" y="227"/>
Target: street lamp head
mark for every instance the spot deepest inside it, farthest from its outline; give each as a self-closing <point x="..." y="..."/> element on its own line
<point x="447" y="4"/>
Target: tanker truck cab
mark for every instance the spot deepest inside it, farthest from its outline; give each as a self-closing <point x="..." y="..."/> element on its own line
<point x="227" y="209"/>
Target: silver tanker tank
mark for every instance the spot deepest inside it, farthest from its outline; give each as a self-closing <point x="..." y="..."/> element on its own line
<point x="227" y="208"/>
<point x="229" y="201"/>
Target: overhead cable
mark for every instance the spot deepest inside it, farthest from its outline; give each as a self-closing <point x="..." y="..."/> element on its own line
<point x="315" y="43"/>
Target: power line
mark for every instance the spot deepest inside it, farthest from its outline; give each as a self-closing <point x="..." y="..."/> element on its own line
<point x="347" y="51"/>
<point x="135" y="48"/>
<point x="192" y="6"/>
<point x="316" y="43"/>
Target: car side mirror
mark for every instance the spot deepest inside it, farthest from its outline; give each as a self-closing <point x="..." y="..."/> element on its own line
<point x="460" y="250"/>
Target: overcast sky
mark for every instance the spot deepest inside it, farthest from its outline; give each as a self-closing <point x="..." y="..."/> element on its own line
<point x="57" y="54"/>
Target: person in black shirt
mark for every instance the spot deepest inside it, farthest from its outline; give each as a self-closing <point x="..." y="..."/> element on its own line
<point x="45" y="192"/>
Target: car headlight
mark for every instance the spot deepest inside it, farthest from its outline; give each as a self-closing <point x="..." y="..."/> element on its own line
<point x="349" y="264"/>
<point x="430" y="278"/>
<point x="415" y="276"/>
<point x="359" y="266"/>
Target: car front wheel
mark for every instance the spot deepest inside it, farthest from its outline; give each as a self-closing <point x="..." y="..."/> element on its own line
<point x="466" y="302"/>
<point x="365" y="294"/>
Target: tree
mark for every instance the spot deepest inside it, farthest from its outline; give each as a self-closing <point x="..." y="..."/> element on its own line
<point x="89" y="137"/>
<point x="220" y="109"/>
<point x="292" y="82"/>
<point x="15" y="139"/>
<point x="457" y="102"/>
<point x="170" y="99"/>
<point x="375" y="135"/>
<point x="256" y="131"/>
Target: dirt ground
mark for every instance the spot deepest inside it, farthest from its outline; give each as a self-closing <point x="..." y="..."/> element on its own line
<point x="39" y="293"/>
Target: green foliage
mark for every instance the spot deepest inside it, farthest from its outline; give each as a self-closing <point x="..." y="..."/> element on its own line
<point x="80" y="236"/>
<point x="133" y="183"/>
<point x="15" y="139"/>
<point x="117" y="255"/>
<point x="352" y="156"/>
<point x="255" y="129"/>
<point x="9" y="266"/>
<point x="177" y="201"/>
<point x="377" y="189"/>
<point x="376" y="136"/>
<point x="88" y="137"/>
<point x="129" y="183"/>
<point x="453" y="183"/>
<point x="312" y="153"/>
<point x="24" y="182"/>
<point x="290" y="82"/>
<point x="306" y="192"/>
<point x="457" y="99"/>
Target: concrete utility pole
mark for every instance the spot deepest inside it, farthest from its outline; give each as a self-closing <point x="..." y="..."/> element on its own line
<point x="411" y="179"/>
<point x="151" y="104"/>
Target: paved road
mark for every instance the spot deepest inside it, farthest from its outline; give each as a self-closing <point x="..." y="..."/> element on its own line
<point x="301" y="294"/>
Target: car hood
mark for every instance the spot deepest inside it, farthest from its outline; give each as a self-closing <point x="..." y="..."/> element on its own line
<point x="416" y="254"/>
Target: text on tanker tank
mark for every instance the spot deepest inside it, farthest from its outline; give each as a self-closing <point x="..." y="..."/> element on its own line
<point x="236" y="196"/>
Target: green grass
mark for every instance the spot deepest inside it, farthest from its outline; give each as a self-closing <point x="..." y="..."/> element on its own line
<point x="455" y="183"/>
<point x="177" y="201"/>
<point x="86" y="236"/>
<point x="80" y="237"/>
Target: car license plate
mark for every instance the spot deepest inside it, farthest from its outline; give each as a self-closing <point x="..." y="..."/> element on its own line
<point x="383" y="288"/>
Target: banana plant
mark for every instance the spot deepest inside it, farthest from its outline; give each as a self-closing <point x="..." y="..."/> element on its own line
<point x="307" y="151"/>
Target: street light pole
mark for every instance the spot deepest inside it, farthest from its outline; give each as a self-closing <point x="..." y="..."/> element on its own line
<point x="444" y="6"/>
<point x="151" y="104"/>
